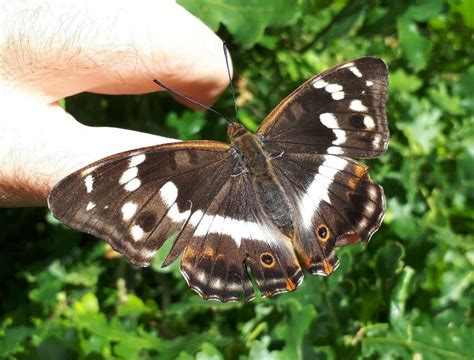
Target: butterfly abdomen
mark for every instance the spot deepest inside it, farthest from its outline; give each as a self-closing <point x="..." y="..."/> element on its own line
<point x="255" y="162"/>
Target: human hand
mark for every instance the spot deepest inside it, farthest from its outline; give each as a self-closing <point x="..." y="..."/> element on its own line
<point x="51" y="50"/>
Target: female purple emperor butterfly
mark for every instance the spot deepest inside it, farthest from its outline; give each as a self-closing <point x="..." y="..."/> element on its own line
<point x="267" y="203"/>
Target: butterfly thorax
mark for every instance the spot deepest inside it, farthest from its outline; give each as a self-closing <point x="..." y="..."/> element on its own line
<point x="255" y="162"/>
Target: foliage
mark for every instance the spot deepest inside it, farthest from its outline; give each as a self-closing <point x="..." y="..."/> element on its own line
<point x="409" y="294"/>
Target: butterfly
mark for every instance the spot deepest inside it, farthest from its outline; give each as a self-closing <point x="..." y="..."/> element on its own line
<point x="257" y="210"/>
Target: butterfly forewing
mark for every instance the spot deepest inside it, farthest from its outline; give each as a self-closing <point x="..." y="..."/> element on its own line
<point x="130" y="199"/>
<point x="339" y="112"/>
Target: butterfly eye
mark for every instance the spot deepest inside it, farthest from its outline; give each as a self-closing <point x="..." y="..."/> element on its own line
<point x="322" y="233"/>
<point x="267" y="260"/>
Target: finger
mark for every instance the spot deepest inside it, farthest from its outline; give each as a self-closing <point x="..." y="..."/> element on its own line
<point x="34" y="155"/>
<point x="71" y="46"/>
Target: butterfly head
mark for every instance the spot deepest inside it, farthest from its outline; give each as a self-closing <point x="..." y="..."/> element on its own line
<point x="235" y="130"/>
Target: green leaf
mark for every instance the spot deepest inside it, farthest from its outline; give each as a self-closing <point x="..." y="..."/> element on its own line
<point x="424" y="10"/>
<point x="466" y="8"/>
<point x="134" y="306"/>
<point x="188" y="125"/>
<point x="400" y="81"/>
<point x="350" y="16"/>
<point x="259" y="350"/>
<point x="247" y="120"/>
<point x="423" y="127"/>
<point x="209" y="352"/>
<point x="245" y="19"/>
<point x="415" y="47"/>
<point x="400" y="294"/>
<point x="11" y="341"/>
<point x="88" y="304"/>
<point x="446" y="101"/>
<point x="464" y="87"/>
<point x="431" y="340"/>
<point x="292" y="329"/>
<point x="388" y="259"/>
<point x="401" y="218"/>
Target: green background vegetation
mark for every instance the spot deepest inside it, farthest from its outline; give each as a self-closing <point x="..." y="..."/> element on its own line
<point x="409" y="294"/>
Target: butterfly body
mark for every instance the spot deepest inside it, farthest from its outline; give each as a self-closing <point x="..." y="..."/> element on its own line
<point x="255" y="162"/>
<point x="264" y="206"/>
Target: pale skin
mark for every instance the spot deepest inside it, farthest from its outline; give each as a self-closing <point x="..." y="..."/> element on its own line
<point x="50" y="50"/>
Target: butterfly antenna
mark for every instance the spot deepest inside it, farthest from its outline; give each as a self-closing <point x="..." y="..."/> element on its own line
<point x="226" y="52"/>
<point x="190" y="100"/>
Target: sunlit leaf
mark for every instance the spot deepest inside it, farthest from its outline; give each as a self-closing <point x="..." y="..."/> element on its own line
<point x="246" y="20"/>
<point x="415" y="47"/>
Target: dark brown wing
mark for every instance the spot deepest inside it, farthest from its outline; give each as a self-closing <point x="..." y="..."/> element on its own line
<point x="339" y="112"/>
<point x="310" y="135"/>
<point x="337" y="204"/>
<point x="138" y="199"/>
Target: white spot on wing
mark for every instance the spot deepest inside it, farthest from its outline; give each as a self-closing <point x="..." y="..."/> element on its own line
<point x="333" y="88"/>
<point x="197" y="215"/>
<point x="340" y="137"/>
<point x="329" y="120"/>
<point x="319" y="84"/>
<point x="355" y="71"/>
<point x="169" y="193"/>
<point x="370" y="207"/>
<point x="318" y="190"/>
<point x="201" y="277"/>
<point x="217" y="283"/>
<point x="372" y="193"/>
<point x="204" y="224"/>
<point x="147" y="254"/>
<point x="137" y="160"/>
<point x="90" y="206"/>
<point x="377" y="140"/>
<point x="369" y="122"/>
<point x="338" y="95"/>
<point x="347" y="65"/>
<point x="136" y="232"/>
<point x="234" y="228"/>
<point x="132" y="185"/>
<point x="334" y="150"/>
<point x="357" y="105"/>
<point x="369" y="83"/>
<point x="89" y="183"/>
<point x="128" y="175"/>
<point x="88" y="170"/>
<point x="176" y="216"/>
<point x="128" y="210"/>
<point x="335" y="162"/>
<point x="234" y="286"/>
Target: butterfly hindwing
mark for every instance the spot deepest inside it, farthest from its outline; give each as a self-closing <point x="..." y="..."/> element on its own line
<point x="337" y="204"/>
<point x="238" y="237"/>
<point x="339" y="112"/>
